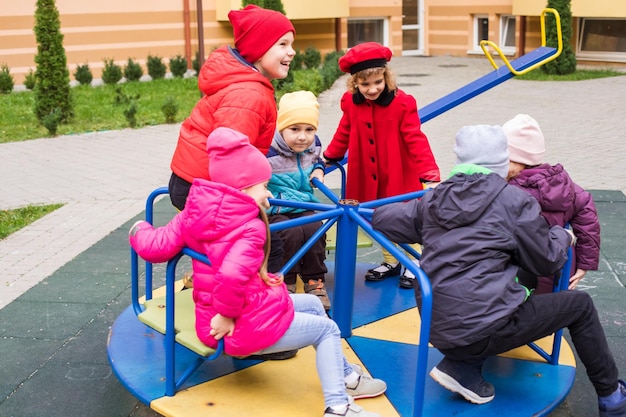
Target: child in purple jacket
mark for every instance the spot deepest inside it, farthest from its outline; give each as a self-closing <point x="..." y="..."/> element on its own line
<point x="562" y="201"/>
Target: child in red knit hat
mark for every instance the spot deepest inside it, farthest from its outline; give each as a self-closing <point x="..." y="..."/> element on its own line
<point x="238" y="93"/>
<point x="388" y="154"/>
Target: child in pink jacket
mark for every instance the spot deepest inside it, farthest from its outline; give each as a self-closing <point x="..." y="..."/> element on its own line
<point x="236" y="298"/>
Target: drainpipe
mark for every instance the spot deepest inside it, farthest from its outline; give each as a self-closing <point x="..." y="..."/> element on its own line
<point x="200" y="31"/>
<point x="338" y="34"/>
<point x="522" y="36"/>
<point x="187" y="30"/>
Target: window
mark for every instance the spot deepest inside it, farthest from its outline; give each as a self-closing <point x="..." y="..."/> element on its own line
<point x="507" y="34"/>
<point x="602" y="39"/>
<point x="481" y="30"/>
<point x="366" y="30"/>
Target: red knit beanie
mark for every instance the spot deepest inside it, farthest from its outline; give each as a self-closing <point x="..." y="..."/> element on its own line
<point x="363" y="56"/>
<point x="234" y="161"/>
<point x="257" y="29"/>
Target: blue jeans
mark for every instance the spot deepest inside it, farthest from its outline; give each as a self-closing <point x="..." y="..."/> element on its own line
<point x="312" y="327"/>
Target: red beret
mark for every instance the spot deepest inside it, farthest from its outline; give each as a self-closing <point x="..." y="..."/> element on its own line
<point x="363" y="56"/>
<point x="257" y="29"/>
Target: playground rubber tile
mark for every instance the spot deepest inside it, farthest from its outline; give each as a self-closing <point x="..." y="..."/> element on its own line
<point x="26" y="356"/>
<point x="84" y="287"/>
<point x="58" y="390"/>
<point x="46" y="320"/>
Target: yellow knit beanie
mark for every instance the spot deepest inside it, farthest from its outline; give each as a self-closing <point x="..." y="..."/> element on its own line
<point x="297" y="107"/>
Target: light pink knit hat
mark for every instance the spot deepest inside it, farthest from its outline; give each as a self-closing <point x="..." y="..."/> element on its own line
<point x="526" y="142"/>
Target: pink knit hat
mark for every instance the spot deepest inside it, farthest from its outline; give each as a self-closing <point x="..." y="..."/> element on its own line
<point x="526" y="142"/>
<point x="234" y="161"/>
<point x="257" y="29"/>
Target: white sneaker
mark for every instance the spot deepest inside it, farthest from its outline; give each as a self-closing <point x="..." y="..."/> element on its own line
<point x="352" y="410"/>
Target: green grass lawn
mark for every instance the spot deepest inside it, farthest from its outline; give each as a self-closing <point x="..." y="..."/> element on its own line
<point x="99" y="108"/>
<point x="13" y="220"/>
<point x="578" y="75"/>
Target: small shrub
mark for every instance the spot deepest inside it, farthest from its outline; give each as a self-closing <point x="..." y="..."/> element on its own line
<point x="122" y="98"/>
<point x="112" y="73"/>
<point x="29" y="80"/>
<point x="312" y="58"/>
<point x="310" y="80"/>
<point x="131" y="114"/>
<point x="156" y="67"/>
<point x="170" y="108"/>
<point x="297" y="62"/>
<point x="330" y="69"/>
<point x="83" y="74"/>
<point x="132" y="70"/>
<point x="195" y="63"/>
<point x="178" y="66"/>
<point x="6" y="80"/>
<point x="51" y="121"/>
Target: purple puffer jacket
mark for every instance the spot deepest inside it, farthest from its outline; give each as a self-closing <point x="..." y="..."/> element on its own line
<point x="563" y="201"/>
<point x="224" y="224"/>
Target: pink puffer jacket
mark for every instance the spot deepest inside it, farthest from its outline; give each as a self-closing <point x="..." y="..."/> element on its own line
<point x="223" y="223"/>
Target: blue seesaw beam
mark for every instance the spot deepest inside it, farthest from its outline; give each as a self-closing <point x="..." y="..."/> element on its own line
<point x="484" y="83"/>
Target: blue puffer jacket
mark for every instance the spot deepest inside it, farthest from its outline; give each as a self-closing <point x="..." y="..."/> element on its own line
<point x="291" y="173"/>
<point x="476" y="233"/>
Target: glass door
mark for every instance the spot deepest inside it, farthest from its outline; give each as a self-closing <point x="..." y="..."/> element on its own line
<point x="412" y="29"/>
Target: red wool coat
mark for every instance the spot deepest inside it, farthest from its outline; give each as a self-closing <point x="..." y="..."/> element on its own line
<point x="388" y="154"/>
<point x="236" y="96"/>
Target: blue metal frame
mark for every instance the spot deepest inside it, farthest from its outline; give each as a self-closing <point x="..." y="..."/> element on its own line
<point x="349" y="216"/>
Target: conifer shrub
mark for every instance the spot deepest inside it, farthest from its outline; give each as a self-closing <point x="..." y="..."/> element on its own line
<point x="566" y="62"/>
<point x="83" y="74"/>
<point x="170" y="108"/>
<point x="52" y="78"/>
<point x="156" y="67"/>
<point x="6" y="80"/>
<point x="132" y="70"/>
<point x="29" y="79"/>
<point x="312" y="58"/>
<point x="178" y="66"/>
<point x="52" y="120"/>
<point x="112" y="73"/>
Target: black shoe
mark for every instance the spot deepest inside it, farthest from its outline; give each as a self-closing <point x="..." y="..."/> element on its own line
<point x="465" y="379"/>
<point x="276" y="356"/>
<point x="407" y="282"/>
<point x="383" y="271"/>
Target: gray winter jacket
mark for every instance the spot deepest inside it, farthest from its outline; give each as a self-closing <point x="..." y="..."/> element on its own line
<point x="476" y="232"/>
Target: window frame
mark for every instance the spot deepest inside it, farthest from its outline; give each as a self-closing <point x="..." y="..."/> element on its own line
<point x="591" y="55"/>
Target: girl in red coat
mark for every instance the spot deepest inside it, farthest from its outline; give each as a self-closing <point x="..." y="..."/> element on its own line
<point x="388" y="154"/>
<point x="236" y="298"/>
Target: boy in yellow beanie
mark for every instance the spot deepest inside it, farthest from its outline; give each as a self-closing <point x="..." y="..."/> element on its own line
<point x="295" y="159"/>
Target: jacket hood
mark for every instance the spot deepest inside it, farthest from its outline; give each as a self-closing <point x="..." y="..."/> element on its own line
<point x="225" y="67"/>
<point x="214" y="209"/>
<point x="281" y="146"/>
<point x="550" y="185"/>
<point x="462" y="199"/>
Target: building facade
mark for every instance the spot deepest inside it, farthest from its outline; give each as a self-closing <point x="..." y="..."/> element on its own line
<point x="120" y="29"/>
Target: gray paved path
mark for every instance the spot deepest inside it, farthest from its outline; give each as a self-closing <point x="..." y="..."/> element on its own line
<point x="103" y="178"/>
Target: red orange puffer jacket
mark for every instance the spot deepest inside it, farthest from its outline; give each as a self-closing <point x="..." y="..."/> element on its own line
<point x="236" y="96"/>
<point x="223" y="223"/>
